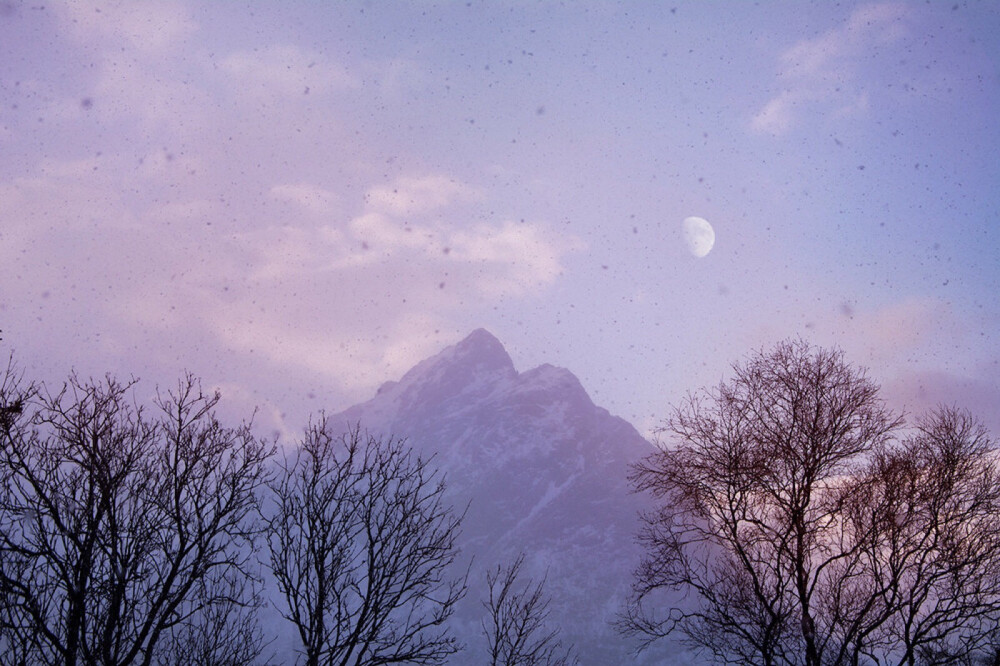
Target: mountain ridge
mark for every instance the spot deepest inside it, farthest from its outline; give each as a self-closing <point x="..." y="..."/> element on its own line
<point x="542" y="470"/>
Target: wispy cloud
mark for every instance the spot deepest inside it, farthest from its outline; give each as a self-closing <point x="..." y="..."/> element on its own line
<point x="824" y="74"/>
<point x="285" y="71"/>
<point x="420" y="224"/>
<point x="777" y="115"/>
<point x="307" y="196"/>
<point x="896" y="336"/>
<point x="413" y="195"/>
<point x="401" y="268"/>
<point x="149" y="27"/>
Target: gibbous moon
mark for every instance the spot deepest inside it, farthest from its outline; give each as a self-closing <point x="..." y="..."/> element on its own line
<point x="698" y="236"/>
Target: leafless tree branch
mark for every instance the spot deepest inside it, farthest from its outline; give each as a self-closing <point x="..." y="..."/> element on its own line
<point x="516" y="625"/>
<point x="361" y="546"/>
<point x="117" y="528"/>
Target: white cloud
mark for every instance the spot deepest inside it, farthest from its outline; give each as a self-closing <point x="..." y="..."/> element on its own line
<point x="187" y="211"/>
<point x="286" y="251"/>
<point x="358" y="360"/>
<point x="129" y="89"/>
<point x="854" y="107"/>
<point x="520" y="255"/>
<point x="821" y="74"/>
<point x="827" y="56"/>
<point x="397" y="77"/>
<point x="56" y="201"/>
<point x="360" y="300"/>
<point x="158" y="165"/>
<point x="285" y="71"/>
<point x="898" y="328"/>
<point x="894" y="337"/>
<point x="416" y="195"/>
<point x="308" y="196"/>
<point x="776" y="116"/>
<point x="880" y="22"/>
<point x="143" y="67"/>
<point x="148" y="26"/>
<point x="399" y="235"/>
<point x="385" y="235"/>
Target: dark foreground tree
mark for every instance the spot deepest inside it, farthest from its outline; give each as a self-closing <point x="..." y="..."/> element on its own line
<point x="516" y="624"/>
<point x="928" y="525"/>
<point x="361" y="546"/>
<point x="803" y="532"/>
<point x="124" y="538"/>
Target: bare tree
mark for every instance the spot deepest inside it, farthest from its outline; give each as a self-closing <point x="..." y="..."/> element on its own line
<point x="118" y="530"/>
<point x="516" y="624"/>
<point x="930" y="512"/>
<point x="808" y="533"/>
<point x="361" y="543"/>
<point x="224" y="632"/>
<point x="9" y="391"/>
<point x="750" y="499"/>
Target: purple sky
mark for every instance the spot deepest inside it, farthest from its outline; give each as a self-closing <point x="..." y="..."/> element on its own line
<point x="298" y="201"/>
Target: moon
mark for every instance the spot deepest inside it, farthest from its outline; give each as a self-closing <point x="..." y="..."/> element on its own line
<point x="698" y="236"/>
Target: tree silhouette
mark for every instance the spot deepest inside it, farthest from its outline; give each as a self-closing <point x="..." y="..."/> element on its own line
<point x="806" y="532"/>
<point x="361" y="542"/>
<point x="928" y="523"/>
<point x="122" y="536"/>
<point x="516" y="623"/>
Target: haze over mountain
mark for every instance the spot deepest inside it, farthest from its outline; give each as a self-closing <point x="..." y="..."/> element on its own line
<point x="542" y="470"/>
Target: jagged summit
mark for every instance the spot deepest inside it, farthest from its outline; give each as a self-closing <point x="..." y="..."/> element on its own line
<point x="479" y="351"/>
<point x="469" y="368"/>
<point x="551" y="377"/>
<point x="482" y="341"/>
<point x="475" y="369"/>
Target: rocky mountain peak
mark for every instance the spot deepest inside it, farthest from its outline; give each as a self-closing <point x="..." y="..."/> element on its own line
<point x="471" y="368"/>
<point x="541" y="471"/>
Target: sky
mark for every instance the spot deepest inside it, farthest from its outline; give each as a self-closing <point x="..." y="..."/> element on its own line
<point x="298" y="201"/>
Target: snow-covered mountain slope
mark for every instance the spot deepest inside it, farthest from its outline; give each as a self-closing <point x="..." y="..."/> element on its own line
<point x="543" y="471"/>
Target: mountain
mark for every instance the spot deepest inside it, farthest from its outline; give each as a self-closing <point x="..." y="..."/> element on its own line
<point x="542" y="470"/>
